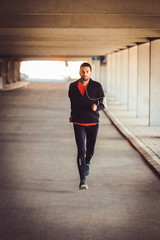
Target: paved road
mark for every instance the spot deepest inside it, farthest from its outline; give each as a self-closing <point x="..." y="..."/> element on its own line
<point x="39" y="195"/>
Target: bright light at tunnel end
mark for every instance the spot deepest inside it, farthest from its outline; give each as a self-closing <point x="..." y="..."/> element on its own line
<point x="48" y="71"/>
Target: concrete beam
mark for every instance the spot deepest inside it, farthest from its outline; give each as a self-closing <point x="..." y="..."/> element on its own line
<point x="53" y="41"/>
<point x="75" y="28"/>
<point x="81" y="7"/>
<point x="79" y="21"/>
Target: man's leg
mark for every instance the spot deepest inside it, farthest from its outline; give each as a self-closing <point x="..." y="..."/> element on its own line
<point x="91" y="133"/>
<point x="79" y="132"/>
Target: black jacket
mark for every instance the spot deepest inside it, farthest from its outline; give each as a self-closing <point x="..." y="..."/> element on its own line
<point x="81" y="106"/>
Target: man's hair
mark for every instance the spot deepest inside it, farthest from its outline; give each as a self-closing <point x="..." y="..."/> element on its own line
<point x="85" y="64"/>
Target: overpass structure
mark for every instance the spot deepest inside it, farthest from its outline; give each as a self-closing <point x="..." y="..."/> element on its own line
<point x="124" y="32"/>
<point x="39" y="191"/>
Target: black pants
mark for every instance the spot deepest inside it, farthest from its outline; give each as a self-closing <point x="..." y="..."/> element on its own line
<point x="85" y="139"/>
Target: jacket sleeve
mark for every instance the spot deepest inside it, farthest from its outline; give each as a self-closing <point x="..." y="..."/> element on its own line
<point x="69" y="91"/>
<point x="69" y="95"/>
<point x="101" y="104"/>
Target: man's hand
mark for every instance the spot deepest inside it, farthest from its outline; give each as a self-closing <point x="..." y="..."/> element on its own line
<point x="94" y="107"/>
<point x="70" y="119"/>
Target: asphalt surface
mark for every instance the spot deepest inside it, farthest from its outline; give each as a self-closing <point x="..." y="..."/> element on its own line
<point x="39" y="194"/>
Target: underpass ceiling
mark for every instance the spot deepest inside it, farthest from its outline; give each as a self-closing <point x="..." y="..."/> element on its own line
<point x="75" y="28"/>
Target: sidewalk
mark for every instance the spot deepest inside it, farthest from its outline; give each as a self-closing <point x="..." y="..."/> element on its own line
<point x="39" y="180"/>
<point x="144" y="138"/>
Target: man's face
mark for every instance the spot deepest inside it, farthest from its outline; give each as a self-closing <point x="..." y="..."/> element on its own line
<point x="85" y="73"/>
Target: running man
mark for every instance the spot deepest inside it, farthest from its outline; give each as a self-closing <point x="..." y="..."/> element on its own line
<point x="86" y="97"/>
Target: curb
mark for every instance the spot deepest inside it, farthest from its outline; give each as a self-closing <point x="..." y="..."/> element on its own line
<point x="150" y="158"/>
<point x="16" y="85"/>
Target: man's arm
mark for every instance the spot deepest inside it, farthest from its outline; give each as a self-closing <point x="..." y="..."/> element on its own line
<point x="100" y="101"/>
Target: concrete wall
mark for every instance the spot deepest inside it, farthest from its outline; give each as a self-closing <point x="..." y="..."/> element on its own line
<point x="155" y="84"/>
<point x="143" y="80"/>
<point x="132" y="78"/>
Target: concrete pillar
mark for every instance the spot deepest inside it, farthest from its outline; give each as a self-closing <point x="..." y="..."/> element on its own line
<point x="13" y="71"/>
<point x="93" y="69"/>
<point x="16" y="73"/>
<point x="124" y="77"/>
<point x="1" y="78"/>
<point x="103" y="76"/>
<point x="104" y="79"/>
<point x="10" y="67"/>
<point x="109" y="74"/>
<point x="112" y="93"/>
<point x="155" y="84"/>
<point x="4" y="70"/>
<point x="117" y="75"/>
<point x="9" y="70"/>
<point x="97" y="70"/>
<point x="143" y="80"/>
<point x="132" y="79"/>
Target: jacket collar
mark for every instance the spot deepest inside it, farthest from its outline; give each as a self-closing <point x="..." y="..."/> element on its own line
<point x="76" y="82"/>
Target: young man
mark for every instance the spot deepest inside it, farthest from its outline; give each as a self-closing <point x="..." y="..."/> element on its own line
<point x="86" y="97"/>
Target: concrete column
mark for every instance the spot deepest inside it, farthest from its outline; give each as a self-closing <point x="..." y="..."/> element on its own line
<point x="102" y="75"/>
<point x="132" y="79"/>
<point x="9" y="71"/>
<point x="143" y="80"/>
<point x="155" y="84"/>
<point x="124" y="77"/>
<point x="13" y="71"/>
<point x="117" y="75"/>
<point x="93" y="70"/>
<point x="104" y="81"/>
<point x="1" y="78"/>
<point x="97" y="70"/>
<point x="112" y="75"/>
<point x="105" y="76"/>
<point x="109" y="74"/>
<point x="16" y="73"/>
<point x="4" y="70"/>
